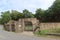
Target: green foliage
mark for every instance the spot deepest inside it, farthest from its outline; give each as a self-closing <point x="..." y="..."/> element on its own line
<point x="40" y="14"/>
<point x="0" y="20"/>
<point x="27" y="14"/>
<point x="41" y="32"/>
<point x="15" y="15"/>
<point x="54" y="10"/>
<point x="5" y="17"/>
<point x="56" y="30"/>
<point x="50" y="15"/>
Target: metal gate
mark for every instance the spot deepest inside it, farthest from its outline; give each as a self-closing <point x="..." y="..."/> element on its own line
<point x="28" y="26"/>
<point x="13" y="27"/>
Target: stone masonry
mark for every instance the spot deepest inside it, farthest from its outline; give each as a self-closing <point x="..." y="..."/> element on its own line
<point x="18" y="26"/>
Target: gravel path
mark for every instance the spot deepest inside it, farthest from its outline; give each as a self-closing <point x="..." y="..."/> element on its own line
<point x="4" y="35"/>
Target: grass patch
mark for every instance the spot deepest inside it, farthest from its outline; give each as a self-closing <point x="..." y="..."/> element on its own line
<point x="41" y="33"/>
<point x="44" y="32"/>
<point x="57" y="30"/>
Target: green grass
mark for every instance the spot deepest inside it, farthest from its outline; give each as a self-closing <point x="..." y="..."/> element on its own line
<point x="44" y="32"/>
<point x="41" y="32"/>
<point x="28" y="28"/>
<point x="57" y="30"/>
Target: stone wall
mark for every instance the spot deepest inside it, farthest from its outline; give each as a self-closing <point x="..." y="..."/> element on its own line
<point x="45" y="26"/>
<point x="34" y="22"/>
<point x="20" y="24"/>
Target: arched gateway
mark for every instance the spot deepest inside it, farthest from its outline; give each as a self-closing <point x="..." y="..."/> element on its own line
<point x="28" y="26"/>
<point x="24" y="24"/>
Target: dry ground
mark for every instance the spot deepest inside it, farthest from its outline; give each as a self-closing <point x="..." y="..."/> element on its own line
<point x="4" y="35"/>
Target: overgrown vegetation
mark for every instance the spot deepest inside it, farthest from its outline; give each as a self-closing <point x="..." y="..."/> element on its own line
<point x="50" y="15"/>
<point x="56" y="30"/>
<point x="41" y="32"/>
<point x="47" y="32"/>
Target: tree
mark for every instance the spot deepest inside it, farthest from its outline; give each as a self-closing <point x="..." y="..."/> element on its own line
<point x="55" y="10"/>
<point x="0" y="20"/>
<point x="39" y="14"/>
<point x="48" y="16"/>
<point x="15" y="15"/>
<point x="5" y="17"/>
<point x="27" y="14"/>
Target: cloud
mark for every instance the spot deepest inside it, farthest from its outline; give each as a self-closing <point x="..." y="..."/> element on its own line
<point x="19" y="5"/>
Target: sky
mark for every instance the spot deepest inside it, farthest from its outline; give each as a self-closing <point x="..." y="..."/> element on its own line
<point x="20" y="5"/>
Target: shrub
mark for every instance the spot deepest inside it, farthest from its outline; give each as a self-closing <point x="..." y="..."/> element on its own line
<point x="41" y="32"/>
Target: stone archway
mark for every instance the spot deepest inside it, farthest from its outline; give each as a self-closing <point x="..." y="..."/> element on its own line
<point x="28" y="26"/>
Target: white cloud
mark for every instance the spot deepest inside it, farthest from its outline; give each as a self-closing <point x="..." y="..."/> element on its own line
<point x="31" y="5"/>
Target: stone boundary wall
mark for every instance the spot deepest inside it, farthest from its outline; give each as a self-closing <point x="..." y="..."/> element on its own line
<point x="45" y="26"/>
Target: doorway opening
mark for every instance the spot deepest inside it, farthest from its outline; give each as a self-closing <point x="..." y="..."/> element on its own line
<point x="13" y="27"/>
<point x="28" y="26"/>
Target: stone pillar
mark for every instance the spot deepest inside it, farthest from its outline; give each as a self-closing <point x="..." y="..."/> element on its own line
<point x="19" y="26"/>
<point x="34" y="26"/>
<point x="10" y="29"/>
<point x="23" y="24"/>
<point x="16" y="26"/>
